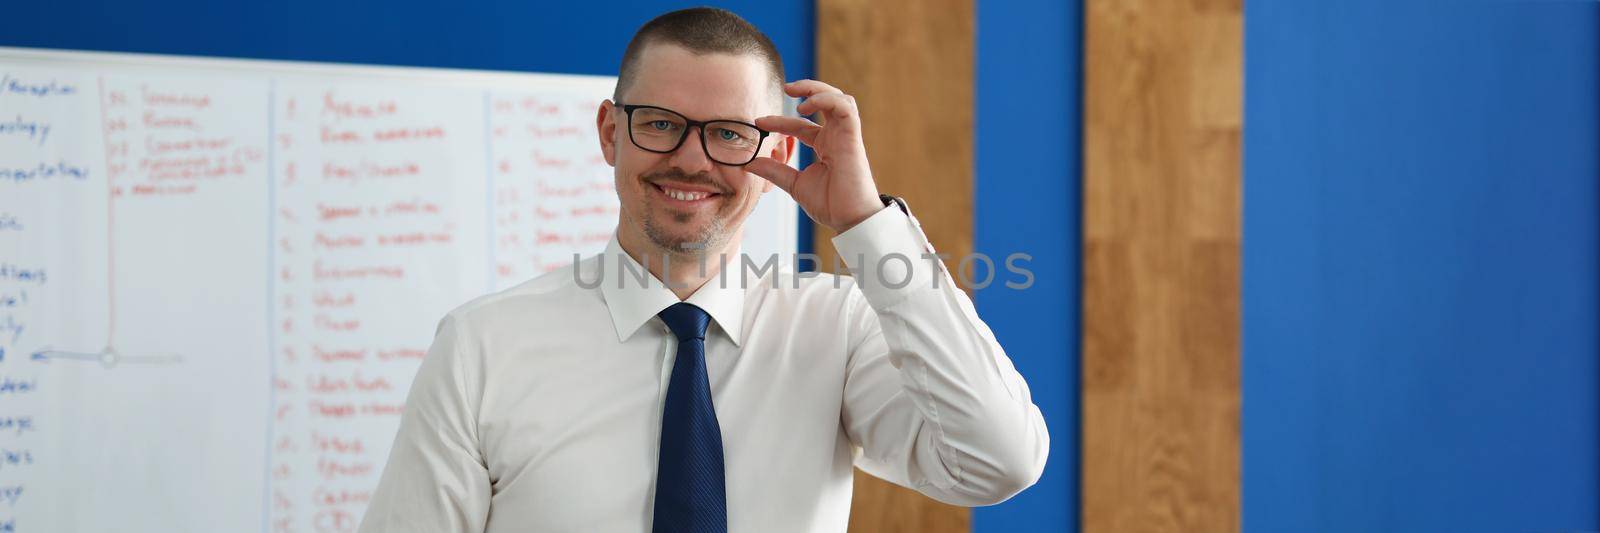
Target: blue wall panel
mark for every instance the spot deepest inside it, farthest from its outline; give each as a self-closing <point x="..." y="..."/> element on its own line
<point x="1420" y="266"/>
<point x="1027" y="200"/>
<point x="565" y="37"/>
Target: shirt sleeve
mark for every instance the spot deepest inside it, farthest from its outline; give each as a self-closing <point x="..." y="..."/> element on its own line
<point x="436" y="479"/>
<point x="931" y="400"/>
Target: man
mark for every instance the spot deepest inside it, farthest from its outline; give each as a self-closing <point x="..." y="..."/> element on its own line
<point x="654" y="387"/>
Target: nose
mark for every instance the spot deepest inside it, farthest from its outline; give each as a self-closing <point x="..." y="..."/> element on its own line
<point x="691" y="154"/>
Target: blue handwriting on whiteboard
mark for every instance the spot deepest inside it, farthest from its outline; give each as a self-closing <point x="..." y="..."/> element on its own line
<point x="44" y="171"/>
<point x="12" y="272"/>
<point x="9" y="457"/>
<point x="19" y="423"/>
<point x="8" y="222"/>
<point x="35" y="131"/>
<point x="10" y="494"/>
<point x="14" y="300"/>
<point x="10" y="326"/>
<point x="9" y="385"/>
<point x="12" y="85"/>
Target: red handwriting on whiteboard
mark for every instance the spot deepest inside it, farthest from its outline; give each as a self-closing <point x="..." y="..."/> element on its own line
<point x="411" y="207"/>
<point x="328" y="299"/>
<point x="329" y="497"/>
<point x="417" y="238"/>
<point x="335" y="521"/>
<point x="338" y="242"/>
<point x="340" y="109"/>
<point x="330" y="273"/>
<point x="164" y="98"/>
<point x="344" y="325"/>
<point x="400" y="353"/>
<point x="158" y="121"/>
<point x="330" y="213"/>
<point x="336" y="136"/>
<point x="158" y="146"/>
<point x="335" y="355"/>
<point x="334" y="444"/>
<point x="326" y="384"/>
<point x="336" y="171"/>
<point x="408" y="134"/>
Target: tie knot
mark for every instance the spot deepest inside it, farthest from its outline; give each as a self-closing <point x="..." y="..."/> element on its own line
<point x="686" y="321"/>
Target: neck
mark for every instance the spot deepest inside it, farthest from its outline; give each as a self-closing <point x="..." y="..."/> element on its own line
<point x="682" y="272"/>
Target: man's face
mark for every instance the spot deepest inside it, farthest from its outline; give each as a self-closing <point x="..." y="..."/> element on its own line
<point x="652" y="186"/>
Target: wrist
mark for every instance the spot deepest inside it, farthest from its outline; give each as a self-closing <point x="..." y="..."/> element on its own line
<point x="857" y="215"/>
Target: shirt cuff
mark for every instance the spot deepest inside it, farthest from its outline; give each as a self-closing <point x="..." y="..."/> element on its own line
<point x="889" y="257"/>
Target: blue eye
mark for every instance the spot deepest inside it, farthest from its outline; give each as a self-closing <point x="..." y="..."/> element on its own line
<point x="728" y="135"/>
<point x="661" y="125"/>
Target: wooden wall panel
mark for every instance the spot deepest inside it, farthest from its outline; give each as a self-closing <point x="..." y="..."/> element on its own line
<point x="909" y="64"/>
<point x="1162" y="125"/>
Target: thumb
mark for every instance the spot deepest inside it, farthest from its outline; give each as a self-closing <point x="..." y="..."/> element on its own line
<point x="774" y="171"/>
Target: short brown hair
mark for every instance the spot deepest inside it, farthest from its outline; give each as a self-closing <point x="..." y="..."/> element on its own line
<point x="701" y="30"/>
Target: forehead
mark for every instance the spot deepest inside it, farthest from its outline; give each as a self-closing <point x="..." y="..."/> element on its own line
<point x="701" y="86"/>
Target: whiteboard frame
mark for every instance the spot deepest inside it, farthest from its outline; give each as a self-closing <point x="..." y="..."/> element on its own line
<point x="256" y="67"/>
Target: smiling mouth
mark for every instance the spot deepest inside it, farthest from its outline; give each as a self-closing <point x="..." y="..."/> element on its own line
<point x="684" y="197"/>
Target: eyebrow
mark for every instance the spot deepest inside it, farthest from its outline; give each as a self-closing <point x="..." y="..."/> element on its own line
<point x="750" y="121"/>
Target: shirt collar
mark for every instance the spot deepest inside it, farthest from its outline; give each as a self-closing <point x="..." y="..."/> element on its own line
<point x="632" y="302"/>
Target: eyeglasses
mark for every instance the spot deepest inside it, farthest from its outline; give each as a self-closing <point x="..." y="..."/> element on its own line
<point x="661" y="130"/>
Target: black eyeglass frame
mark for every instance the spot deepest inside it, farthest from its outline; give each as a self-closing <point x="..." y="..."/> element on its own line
<point x="689" y="124"/>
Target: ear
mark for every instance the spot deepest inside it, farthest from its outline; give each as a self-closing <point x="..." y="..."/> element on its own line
<point x="606" y="124"/>
<point x="787" y="147"/>
<point x="783" y="151"/>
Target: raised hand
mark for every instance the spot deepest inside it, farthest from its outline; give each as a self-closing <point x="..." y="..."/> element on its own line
<point x="836" y="189"/>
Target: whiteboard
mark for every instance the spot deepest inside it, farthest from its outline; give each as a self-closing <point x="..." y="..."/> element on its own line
<point x="217" y="277"/>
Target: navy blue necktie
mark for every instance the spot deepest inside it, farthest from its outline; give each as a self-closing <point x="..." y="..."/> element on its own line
<point x="691" y="495"/>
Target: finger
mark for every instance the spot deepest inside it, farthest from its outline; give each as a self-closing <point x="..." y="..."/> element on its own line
<point x="836" y="105"/>
<point x="808" y="88"/>
<point x="774" y="171"/>
<point x="799" y="128"/>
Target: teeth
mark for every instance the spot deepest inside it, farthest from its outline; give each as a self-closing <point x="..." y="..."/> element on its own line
<point x="685" y="195"/>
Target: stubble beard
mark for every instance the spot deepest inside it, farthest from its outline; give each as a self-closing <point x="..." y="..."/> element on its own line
<point x="708" y="238"/>
<point x="712" y="236"/>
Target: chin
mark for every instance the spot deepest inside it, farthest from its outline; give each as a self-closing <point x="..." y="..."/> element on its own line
<point x="674" y="236"/>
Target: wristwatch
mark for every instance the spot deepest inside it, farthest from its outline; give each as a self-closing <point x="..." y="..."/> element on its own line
<point x="901" y="203"/>
<point x="896" y="201"/>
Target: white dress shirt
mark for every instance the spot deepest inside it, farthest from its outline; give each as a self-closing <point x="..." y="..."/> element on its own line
<point x="538" y="408"/>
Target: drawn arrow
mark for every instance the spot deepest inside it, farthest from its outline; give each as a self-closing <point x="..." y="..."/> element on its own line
<point x="47" y="354"/>
<point x="108" y="357"/>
